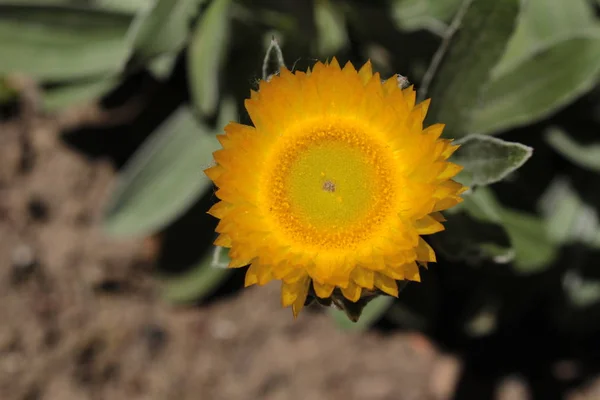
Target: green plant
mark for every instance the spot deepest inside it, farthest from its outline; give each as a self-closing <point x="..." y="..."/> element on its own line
<point x="497" y="67"/>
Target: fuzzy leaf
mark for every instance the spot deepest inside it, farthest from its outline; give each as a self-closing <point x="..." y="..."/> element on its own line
<point x="206" y="54"/>
<point x="76" y="93"/>
<point x="585" y="156"/>
<point x="579" y="291"/>
<point x="488" y="160"/>
<point x="568" y="219"/>
<point x="473" y="51"/>
<point x="432" y="15"/>
<point x="549" y="80"/>
<point x="534" y="251"/>
<point x="128" y="7"/>
<point x="201" y="280"/>
<point x="541" y="25"/>
<point x="473" y="240"/>
<point x="162" y="28"/>
<point x="163" y="178"/>
<point x="331" y="28"/>
<point x="553" y="57"/>
<point x="61" y="43"/>
<point x="161" y="67"/>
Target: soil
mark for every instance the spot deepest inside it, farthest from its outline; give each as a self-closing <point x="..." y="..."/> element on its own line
<point x="82" y="316"/>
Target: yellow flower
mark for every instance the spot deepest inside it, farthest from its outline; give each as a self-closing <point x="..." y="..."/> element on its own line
<point x="333" y="185"/>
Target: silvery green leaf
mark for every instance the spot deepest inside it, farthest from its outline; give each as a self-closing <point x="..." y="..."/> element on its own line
<point x="201" y="280"/>
<point x="163" y="178"/>
<point x="331" y="28"/>
<point x="568" y="218"/>
<point x="586" y="156"/>
<point x="552" y="58"/>
<point x="61" y="43"/>
<point x="206" y="54"/>
<point x="488" y="160"/>
<point x="581" y="292"/>
<point x="460" y="69"/>
<point x="76" y="93"/>
<point x="162" y="66"/>
<point x="128" y="7"/>
<point x="542" y="24"/>
<point x="432" y="15"/>
<point x="534" y="251"/>
<point x="162" y="28"/>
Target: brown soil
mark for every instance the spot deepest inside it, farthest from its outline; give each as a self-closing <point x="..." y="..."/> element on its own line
<point x="82" y="318"/>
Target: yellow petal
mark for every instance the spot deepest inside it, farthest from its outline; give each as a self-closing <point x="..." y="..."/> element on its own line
<point x="291" y="291"/>
<point x="302" y="292"/>
<point x="365" y="73"/>
<point x="363" y="277"/>
<point x="425" y="252"/>
<point x="386" y="284"/>
<point x="422" y="108"/>
<point x="450" y="171"/>
<point x="258" y="274"/>
<point x="438" y="216"/>
<point x="428" y="225"/>
<point x="410" y="95"/>
<point x="214" y="172"/>
<point x="220" y="209"/>
<point x="223" y="240"/>
<point x="323" y="290"/>
<point x="450" y="150"/>
<point x="352" y="292"/>
<point x="412" y="272"/>
<point x="446" y="203"/>
<point x="434" y="131"/>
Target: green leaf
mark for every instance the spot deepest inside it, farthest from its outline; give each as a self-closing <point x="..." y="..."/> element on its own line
<point x="331" y="28"/>
<point x="487" y="159"/>
<point x="372" y="312"/>
<point x="466" y="63"/>
<point x="206" y="54"/>
<point x="579" y="291"/>
<point x="202" y="280"/>
<point x="586" y="156"/>
<point x="162" y="66"/>
<point x="473" y="240"/>
<point x="534" y="251"/>
<point x="123" y="6"/>
<point x="76" y="93"/>
<point x="163" y="178"/>
<point x="552" y="58"/>
<point x="129" y="7"/>
<point x="568" y="219"/>
<point x="432" y="15"/>
<point x="541" y="25"/>
<point x="538" y="87"/>
<point x="59" y="43"/>
<point x="162" y="28"/>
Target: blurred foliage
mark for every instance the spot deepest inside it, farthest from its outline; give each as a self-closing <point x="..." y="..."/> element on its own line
<point x="490" y="67"/>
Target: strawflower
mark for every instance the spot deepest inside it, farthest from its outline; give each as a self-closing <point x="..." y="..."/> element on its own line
<point x="333" y="186"/>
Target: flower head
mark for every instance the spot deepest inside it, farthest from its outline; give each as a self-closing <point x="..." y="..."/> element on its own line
<point x="334" y="184"/>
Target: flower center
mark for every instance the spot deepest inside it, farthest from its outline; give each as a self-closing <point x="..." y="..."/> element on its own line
<point x="330" y="186"/>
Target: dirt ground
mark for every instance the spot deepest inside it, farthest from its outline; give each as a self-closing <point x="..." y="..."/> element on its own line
<point x="81" y="317"/>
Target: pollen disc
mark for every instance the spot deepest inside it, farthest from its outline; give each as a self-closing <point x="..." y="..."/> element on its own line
<point x="330" y="186"/>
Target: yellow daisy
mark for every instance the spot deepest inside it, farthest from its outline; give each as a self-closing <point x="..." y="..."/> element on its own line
<point x="334" y="184"/>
